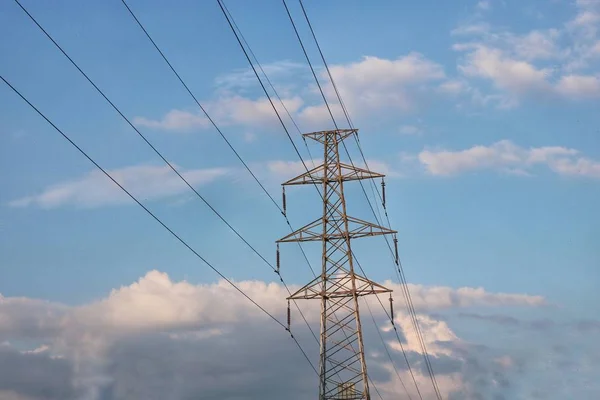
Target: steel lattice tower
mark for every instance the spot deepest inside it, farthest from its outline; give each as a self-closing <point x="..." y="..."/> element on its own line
<point x="342" y="366"/>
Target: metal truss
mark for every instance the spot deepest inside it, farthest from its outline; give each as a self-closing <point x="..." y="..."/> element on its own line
<point x="342" y="366"/>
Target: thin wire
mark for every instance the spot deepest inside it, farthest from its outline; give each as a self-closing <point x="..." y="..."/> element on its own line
<point x="269" y="82"/>
<point x="391" y="318"/>
<point x="166" y="161"/>
<point x="387" y="350"/>
<point x="262" y="85"/>
<point x="175" y="235"/>
<point x="139" y="203"/>
<point x="401" y="273"/>
<point x="273" y="106"/>
<point x="142" y="135"/>
<point x="236" y="153"/>
<point x="231" y="25"/>
<point x="325" y="100"/>
<point x="200" y="105"/>
<point x="344" y="109"/>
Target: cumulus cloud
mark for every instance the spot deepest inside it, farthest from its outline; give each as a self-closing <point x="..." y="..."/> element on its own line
<point x="507" y="73"/>
<point x="409" y="130"/>
<point x="376" y="84"/>
<point x="484" y="5"/>
<point x="370" y="85"/>
<point x="440" y="297"/>
<point x="558" y="62"/>
<point x="157" y="337"/>
<point x="579" y="86"/>
<point x="175" y="120"/>
<point x="507" y="157"/>
<point x="244" y="78"/>
<point x="95" y="189"/>
<point x="33" y="376"/>
<point x="230" y="110"/>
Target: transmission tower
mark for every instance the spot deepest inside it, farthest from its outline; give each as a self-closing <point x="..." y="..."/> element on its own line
<point x="342" y="366"/>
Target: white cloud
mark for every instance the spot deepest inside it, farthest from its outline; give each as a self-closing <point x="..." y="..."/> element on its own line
<point x="175" y="120"/>
<point x="580" y="166"/>
<point x="371" y="85"/>
<point x="376" y="85"/>
<point x="238" y="110"/>
<point x="409" y="130"/>
<point x="373" y="73"/>
<point x="289" y="169"/>
<point x="156" y="303"/>
<point x="513" y="75"/>
<point x="520" y="77"/>
<point x="441" y="297"/>
<point x="557" y="61"/>
<point x="579" y="86"/>
<point x="478" y="28"/>
<point x="586" y="19"/>
<point x="95" y="189"/>
<point x="230" y="110"/>
<point x="453" y="87"/>
<point x="169" y="322"/>
<point x="537" y="45"/>
<point x="507" y="157"/>
<point x="484" y="5"/>
<point x="244" y="78"/>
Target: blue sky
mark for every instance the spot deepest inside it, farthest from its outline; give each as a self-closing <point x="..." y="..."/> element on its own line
<point x="484" y="115"/>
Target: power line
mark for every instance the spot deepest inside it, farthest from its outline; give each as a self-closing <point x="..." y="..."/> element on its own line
<point x="139" y="203"/>
<point x="269" y="82"/>
<point x="283" y="105"/>
<point x="400" y="270"/>
<point x="200" y="105"/>
<point x="344" y="108"/>
<point x="325" y="101"/>
<point x="167" y="162"/>
<point x="391" y="318"/>
<point x="233" y="27"/>
<point x="300" y="132"/>
<point x="387" y="351"/>
<point x="139" y="23"/>
<point x="261" y="84"/>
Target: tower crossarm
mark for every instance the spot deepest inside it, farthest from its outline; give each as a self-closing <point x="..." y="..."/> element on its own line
<point x="319" y="174"/>
<point x="339" y="286"/>
<point x="342" y="363"/>
<point x="314" y="231"/>
<point x="324" y="137"/>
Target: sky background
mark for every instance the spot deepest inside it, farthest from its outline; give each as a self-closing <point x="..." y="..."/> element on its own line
<point x="483" y="115"/>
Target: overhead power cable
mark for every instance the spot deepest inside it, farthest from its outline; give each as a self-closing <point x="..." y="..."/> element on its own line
<point x="268" y="80"/>
<point x="393" y="323"/>
<point x="169" y="164"/>
<point x="147" y="34"/>
<point x="175" y="235"/>
<point x="349" y="156"/>
<point x="387" y="351"/>
<point x="200" y="105"/>
<point x="400" y="271"/>
<point x="314" y="74"/>
<point x="262" y="84"/>
<point x="239" y="35"/>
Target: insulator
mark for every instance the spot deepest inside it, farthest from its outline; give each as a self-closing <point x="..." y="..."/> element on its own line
<point x="289" y="316"/>
<point x="396" y="249"/>
<point x="283" y="200"/>
<point x="392" y="309"/>
<point x="382" y="192"/>
<point x="278" y="258"/>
